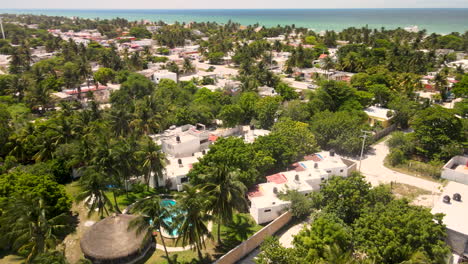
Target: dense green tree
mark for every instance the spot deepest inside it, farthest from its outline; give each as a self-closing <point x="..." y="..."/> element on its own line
<point x="140" y="32"/>
<point x="296" y="110"/>
<point x="104" y="75"/>
<point x="231" y="115"/>
<point x="348" y="197"/>
<point x="340" y="131"/>
<point x="230" y="152"/>
<point x="5" y="129"/>
<point x="18" y="183"/>
<point x="286" y="91"/>
<point x="393" y="232"/>
<point x="301" y="205"/>
<point x="325" y="231"/>
<point x="273" y="252"/>
<point x="460" y="89"/>
<point x="247" y="101"/>
<point x="298" y="136"/>
<point x="266" y="110"/>
<point x="435" y="127"/>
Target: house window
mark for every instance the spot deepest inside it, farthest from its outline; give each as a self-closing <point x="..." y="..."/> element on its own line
<point x="341" y="170"/>
<point x="203" y="141"/>
<point x="184" y="180"/>
<point x="328" y="171"/>
<point x="267" y="210"/>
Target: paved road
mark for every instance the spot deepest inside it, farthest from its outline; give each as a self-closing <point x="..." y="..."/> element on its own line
<point x="376" y="173"/>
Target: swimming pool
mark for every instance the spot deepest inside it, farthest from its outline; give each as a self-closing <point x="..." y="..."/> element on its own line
<point x="170" y="204"/>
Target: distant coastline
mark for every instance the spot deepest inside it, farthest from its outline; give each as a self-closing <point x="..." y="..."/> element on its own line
<point x="443" y="21"/>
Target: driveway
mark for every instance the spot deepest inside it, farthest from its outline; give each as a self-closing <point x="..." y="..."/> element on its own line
<point x="376" y="173"/>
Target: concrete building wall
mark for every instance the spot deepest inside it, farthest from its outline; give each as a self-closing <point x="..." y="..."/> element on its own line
<point x="267" y="214"/>
<point x="254" y="241"/>
<point x="158" y="76"/>
<point x="182" y="149"/>
<point x="458" y="242"/>
<point x="453" y="175"/>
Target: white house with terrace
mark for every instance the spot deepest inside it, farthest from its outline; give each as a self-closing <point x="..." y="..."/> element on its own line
<point x="184" y="145"/>
<point x="305" y="177"/>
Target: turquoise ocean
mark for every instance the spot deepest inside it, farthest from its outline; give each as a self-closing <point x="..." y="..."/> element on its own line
<point x="442" y="21"/>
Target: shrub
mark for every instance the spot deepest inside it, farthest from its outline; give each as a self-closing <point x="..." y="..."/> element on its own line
<point x="396" y="157"/>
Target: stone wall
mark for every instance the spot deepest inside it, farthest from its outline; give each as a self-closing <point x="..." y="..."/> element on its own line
<point x="254" y="241"/>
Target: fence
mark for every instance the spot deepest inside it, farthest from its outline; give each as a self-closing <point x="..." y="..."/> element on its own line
<point x="254" y="241"/>
<point x="382" y="133"/>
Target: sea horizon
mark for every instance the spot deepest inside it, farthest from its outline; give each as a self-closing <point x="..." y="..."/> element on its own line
<point x="434" y="20"/>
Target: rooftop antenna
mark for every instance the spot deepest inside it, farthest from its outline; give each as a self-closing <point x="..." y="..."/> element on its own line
<point x="1" y="26"/>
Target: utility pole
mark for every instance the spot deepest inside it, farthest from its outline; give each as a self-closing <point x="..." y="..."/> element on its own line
<point x="364" y="137"/>
<point x="1" y="26"/>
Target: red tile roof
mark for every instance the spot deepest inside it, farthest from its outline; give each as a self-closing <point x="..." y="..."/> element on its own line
<point x="212" y="138"/>
<point x="323" y="56"/>
<point x="313" y="158"/>
<point x="277" y="178"/>
<point x="85" y="90"/>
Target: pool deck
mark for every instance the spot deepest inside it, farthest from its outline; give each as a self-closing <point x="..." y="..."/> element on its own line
<point x="187" y="247"/>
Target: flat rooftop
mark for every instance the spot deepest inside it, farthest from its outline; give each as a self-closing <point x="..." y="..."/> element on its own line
<point x="456" y="213"/>
<point x="378" y="112"/>
<point x="173" y="168"/>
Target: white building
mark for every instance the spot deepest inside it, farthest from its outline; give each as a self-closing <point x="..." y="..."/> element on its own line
<point x="264" y="91"/>
<point x="378" y="114"/>
<point x="164" y="74"/>
<point x="306" y="177"/>
<point x="183" y="141"/>
<point x="176" y="170"/>
<point x="251" y="133"/>
<point x="184" y="145"/>
<point x="455" y="217"/>
<point x="456" y="170"/>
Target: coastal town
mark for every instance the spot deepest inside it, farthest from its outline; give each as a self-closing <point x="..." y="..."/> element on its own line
<point x="148" y="142"/>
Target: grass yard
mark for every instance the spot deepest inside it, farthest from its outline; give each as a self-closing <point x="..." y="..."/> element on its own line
<point x="242" y="227"/>
<point x="401" y="190"/>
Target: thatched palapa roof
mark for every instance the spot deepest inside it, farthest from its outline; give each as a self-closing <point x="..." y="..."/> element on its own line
<point x="112" y="239"/>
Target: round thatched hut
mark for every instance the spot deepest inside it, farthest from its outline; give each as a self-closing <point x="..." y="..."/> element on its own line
<point x="110" y="241"/>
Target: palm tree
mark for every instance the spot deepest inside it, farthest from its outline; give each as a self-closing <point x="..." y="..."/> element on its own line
<point x="93" y="185"/>
<point x="187" y="67"/>
<point x="153" y="161"/>
<point x="192" y="224"/>
<point x="336" y="255"/>
<point x="84" y="70"/>
<point x="29" y="226"/>
<point x="440" y="83"/>
<point x="328" y="63"/>
<point x="151" y="215"/>
<point x="227" y="194"/>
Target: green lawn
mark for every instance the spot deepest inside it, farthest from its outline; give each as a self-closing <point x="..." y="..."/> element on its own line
<point x="212" y="250"/>
<point x="243" y="226"/>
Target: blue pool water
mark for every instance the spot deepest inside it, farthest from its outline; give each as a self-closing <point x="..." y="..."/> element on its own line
<point x="169" y="219"/>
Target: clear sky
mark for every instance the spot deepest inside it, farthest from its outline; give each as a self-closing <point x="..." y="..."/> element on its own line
<point x="225" y="4"/>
